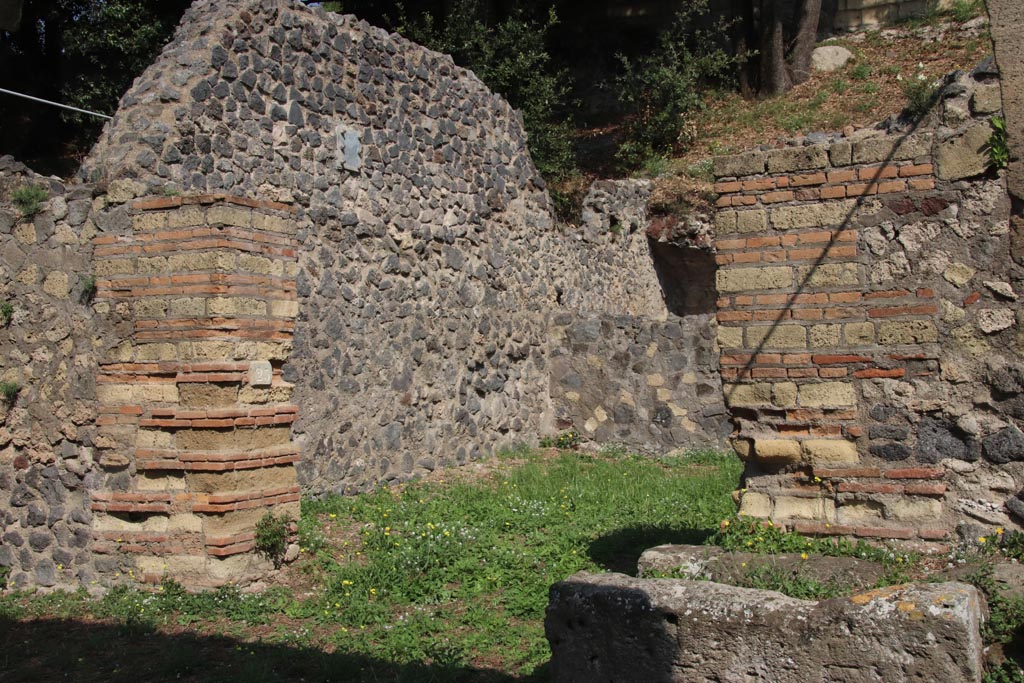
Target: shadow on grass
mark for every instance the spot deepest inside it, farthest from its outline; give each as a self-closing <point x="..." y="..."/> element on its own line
<point x="620" y="550"/>
<point x="85" y="652"/>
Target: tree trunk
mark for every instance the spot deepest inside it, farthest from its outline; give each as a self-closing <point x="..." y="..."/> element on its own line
<point x="803" y="43"/>
<point x="774" y="76"/>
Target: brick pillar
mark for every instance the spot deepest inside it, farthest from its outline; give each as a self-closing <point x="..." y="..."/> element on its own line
<point x="802" y="325"/>
<point x="194" y="418"/>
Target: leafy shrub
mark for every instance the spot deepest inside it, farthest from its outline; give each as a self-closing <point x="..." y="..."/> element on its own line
<point x="1007" y="672"/>
<point x="661" y="91"/>
<point x="272" y="537"/>
<point x="6" y="313"/>
<point x="567" y="440"/>
<point x="29" y="199"/>
<point x="998" y="150"/>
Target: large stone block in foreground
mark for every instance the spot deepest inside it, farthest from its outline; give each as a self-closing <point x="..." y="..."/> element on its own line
<point x="611" y="627"/>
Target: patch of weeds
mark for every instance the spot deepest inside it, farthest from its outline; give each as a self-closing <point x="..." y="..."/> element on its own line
<point x="792" y="584"/>
<point x="5" y="576"/>
<point x="965" y="10"/>
<point x="865" y="106"/>
<point x="839" y="85"/>
<point x="6" y="313"/>
<point x="860" y="72"/>
<point x="567" y="440"/>
<point x="87" y="288"/>
<point x="998" y="150"/>
<point x="702" y="170"/>
<point x="29" y="199"/>
<point x="874" y="38"/>
<point x="890" y="70"/>
<point x="921" y="92"/>
<point x="1006" y="613"/>
<point x="614" y="451"/>
<point x="655" y="165"/>
<point x="763" y="537"/>
<point x="870" y="88"/>
<point x="9" y="392"/>
<point x="272" y="537"/>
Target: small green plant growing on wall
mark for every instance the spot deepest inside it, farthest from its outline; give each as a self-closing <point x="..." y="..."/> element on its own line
<point x="998" y="150"/>
<point x="29" y="199"/>
<point x="920" y="91"/>
<point x="6" y="313"/>
<point x="9" y="392"/>
<point x="87" y="283"/>
<point x="565" y="441"/>
<point x="272" y="537"/>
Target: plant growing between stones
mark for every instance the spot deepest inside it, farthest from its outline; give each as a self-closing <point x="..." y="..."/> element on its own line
<point x="6" y="313"/>
<point x="87" y="285"/>
<point x="920" y="91"/>
<point x="29" y="199"/>
<point x="565" y="441"/>
<point x="272" y="537"/>
<point x="998" y="151"/>
<point x="9" y="392"/>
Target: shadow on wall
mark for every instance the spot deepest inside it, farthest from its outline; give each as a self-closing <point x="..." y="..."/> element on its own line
<point x="686" y="276"/>
<point x="51" y="650"/>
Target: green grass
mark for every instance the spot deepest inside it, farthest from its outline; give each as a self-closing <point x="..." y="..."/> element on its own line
<point x="438" y="581"/>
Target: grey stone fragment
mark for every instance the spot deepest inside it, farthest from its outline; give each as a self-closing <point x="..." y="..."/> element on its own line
<point x="1004" y="446"/>
<point x="611" y="627"/>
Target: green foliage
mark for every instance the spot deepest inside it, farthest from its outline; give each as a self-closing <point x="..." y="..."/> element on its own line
<point x="1007" y="672"/>
<point x="795" y="585"/>
<point x="447" y="573"/>
<point x="920" y="91"/>
<point x="998" y="150"/>
<point x="860" y="72"/>
<point x="87" y="288"/>
<point x="839" y="85"/>
<point x="5" y="576"/>
<point x="9" y="392"/>
<point x="107" y="44"/>
<point x="29" y="199"/>
<point x="6" y="313"/>
<point x="512" y="58"/>
<point x="663" y="90"/>
<point x="757" y="536"/>
<point x="567" y="440"/>
<point x="965" y="10"/>
<point x="272" y="537"/>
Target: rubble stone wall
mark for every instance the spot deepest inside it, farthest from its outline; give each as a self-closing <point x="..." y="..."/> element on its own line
<point x="323" y="260"/>
<point x="869" y="327"/>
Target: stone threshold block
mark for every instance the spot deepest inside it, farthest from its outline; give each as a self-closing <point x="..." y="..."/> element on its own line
<point x="612" y="627"/>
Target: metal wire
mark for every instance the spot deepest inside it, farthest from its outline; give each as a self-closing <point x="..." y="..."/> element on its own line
<point x="55" y="104"/>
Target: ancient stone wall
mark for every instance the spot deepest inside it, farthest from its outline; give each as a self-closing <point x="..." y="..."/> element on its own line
<point x="429" y="268"/>
<point x="859" y="15"/>
<point x="48" y="350"/>
<point x="323" y="261"/>
<point x="869" y="327"/>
